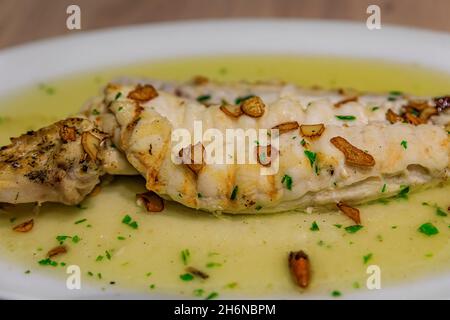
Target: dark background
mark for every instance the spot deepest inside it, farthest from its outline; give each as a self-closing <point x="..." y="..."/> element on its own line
<point x="27" y="20"/>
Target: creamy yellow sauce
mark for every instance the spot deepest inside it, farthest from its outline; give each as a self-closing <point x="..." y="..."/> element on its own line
<point x="244" y="256"/>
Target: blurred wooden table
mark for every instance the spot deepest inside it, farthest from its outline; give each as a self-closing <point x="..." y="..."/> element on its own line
<point x="27" y="20"/>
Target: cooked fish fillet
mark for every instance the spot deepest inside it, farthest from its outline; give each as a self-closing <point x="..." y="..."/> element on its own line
<point x="401" y="154"/>
<point x="51" y="164"/>
<point x="318" y="103"/>
<point x="45" y="166"/>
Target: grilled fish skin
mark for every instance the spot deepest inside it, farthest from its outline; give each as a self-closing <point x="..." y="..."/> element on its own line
<point x="145" y="138"/>
<point x="50" y="164"/>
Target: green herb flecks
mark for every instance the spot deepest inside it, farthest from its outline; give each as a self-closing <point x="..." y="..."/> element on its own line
<point x="353" y="229"/>
<point x="403" y="194"/>
<point x="213" y="265"/>
<point x="239" y="100"/>
<point x="185" y="256"/>
<point x="203" y="98"/>
<point x="234" y="193"/>
<point x="212" y="295"/>
<point x="428" y="229"/>
<point x="346" y="118"/>
<point x="314" y="226"/>
<point x="129" y="222"/>
<point x="404" y="144"/>
<point x="395" y="93"/>
<point x="48" y="262"/>
<point x="231" y="285"/>
<point x="312" y="157"/>
<point x="47" y="89"/>
<point x="336" y="294"/>
<point x="118" y="95"/>
<point x="439" y="211"/>
<point x="367" y="258"/>
<point x="287" y="181"/>
<point x="198" y="292"/>
<point x="80" y="221"/>
<point x="187" y="277"/>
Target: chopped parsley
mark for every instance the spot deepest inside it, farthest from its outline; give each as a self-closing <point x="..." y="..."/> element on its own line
<point x="95" y="112"/>
<point x="383" y="190"/>
<point x="440" y="212"/>
<point x="108" y="255"/>
<point x="47" y="89"/>
<point x="353" y="229"/>
<point x="48" y="262"/>
<point x="241" y="99"/>
<point x="234" y="193"/>
<point x="213" y="264"/>
<point x="62" y="238"/>
<point x="231" y="285"/>
<point x="203" y="98"/>
<point x="395" y="93"/>
<point x="404" y="144"/>
<point x="212" y="295"/>
<point x="99" y="258"/>
<point x="258" y="207"/>
<point x="312" y="156"/>
<point x="375" y="108"/>
<point x="428" y="229"/>
<point x="198" y="292"/>
<point x="403" y="194"/>
<point x="367" y="257"/>
<point x="336" y="293"/>
<point x="129" y="222"/>
<point x="27" y="272"/>
<point x="185" y="255"/>
<point x="314" y="226"/>
<point x="287" y="180"/>
<point x="186" y="277"/>
<point x="303" y="142"/>
<point x="81" y="207"/>
<point x="346" y="118"/>
<point x="338" y="226"/>
<point x="80" y="221"/>
<point x="118" y="95"/>
<point x="120" y="238"/>
<point x="199" y="195"/>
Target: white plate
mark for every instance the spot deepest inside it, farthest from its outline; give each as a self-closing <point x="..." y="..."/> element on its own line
<point x="37" y="62"/>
